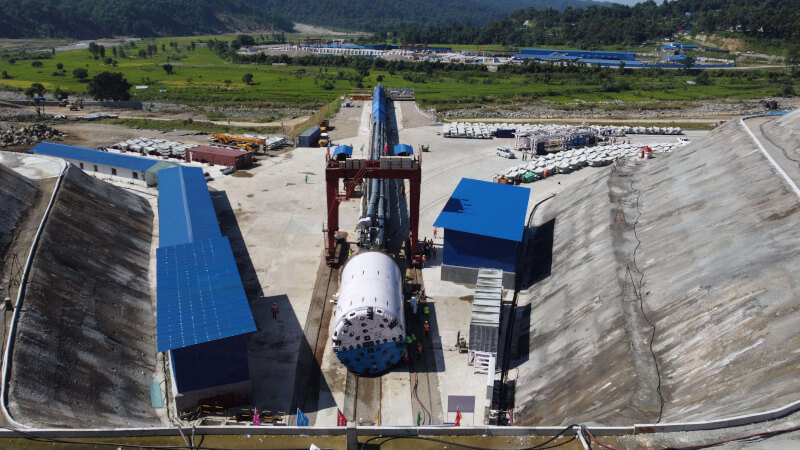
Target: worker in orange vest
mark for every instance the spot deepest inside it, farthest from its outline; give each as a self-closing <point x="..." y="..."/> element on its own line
<point x="427" y="327"/>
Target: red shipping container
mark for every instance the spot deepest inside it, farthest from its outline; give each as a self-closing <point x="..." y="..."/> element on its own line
<point x="220" y="156"/>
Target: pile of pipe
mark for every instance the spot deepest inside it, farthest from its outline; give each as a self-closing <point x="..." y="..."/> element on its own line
<point x="161" y="147"/>
<point x="543" y="166"/>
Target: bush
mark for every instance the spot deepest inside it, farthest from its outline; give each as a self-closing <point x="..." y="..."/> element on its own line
<point x="37" y="64"/>
<point x="80" y="73"/>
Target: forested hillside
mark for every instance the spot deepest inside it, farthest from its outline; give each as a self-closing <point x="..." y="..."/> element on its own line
<point x="777" y="20"/>
<point x="384" y="15"/>
<point x="89" y="19"/>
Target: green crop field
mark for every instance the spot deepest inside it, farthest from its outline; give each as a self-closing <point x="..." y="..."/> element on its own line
<point x="201" y="78"/>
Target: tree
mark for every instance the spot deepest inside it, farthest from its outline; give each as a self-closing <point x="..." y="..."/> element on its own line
<point x="59" y="66"/>
<point x="688" y="62"/>
<point x="107" y="60"/>
<point x="33" y="92"/>
<point x="60" y="93"/>
<point x="5" y="76"/>
<point x="80" y="73"/>
<point x="793" y="57"/>
<point x="247" y="78"/>
<point x="703" y="79"/>
<point x="167" y="68"/>
<point x="108" y="85"/>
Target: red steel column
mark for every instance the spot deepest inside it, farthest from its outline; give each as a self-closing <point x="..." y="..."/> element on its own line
<point x="333" y="218"/>
<point x="413" y="219"/>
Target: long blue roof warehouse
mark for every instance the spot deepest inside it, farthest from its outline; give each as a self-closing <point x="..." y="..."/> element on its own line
<point x="203" y="317"/>
<point x="484" y="223"/>
<point x="106" y="163"/>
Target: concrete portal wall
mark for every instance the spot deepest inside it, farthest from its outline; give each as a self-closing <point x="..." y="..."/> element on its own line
<point x="17" y="195"/>
<point x="473" y="250"/>
<point x="85" y="348"/>
<point x="699" y="246"/>
<point x="102" y="169"/>
<point x="469" y="275"/>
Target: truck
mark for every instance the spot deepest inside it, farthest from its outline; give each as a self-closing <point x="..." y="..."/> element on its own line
<point x="324" y="140"/>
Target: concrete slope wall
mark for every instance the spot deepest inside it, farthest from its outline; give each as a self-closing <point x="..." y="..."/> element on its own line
<point x="85" y="348"/>
<point x="17" y="195"/>
<point x="702" y="244"/>
<point x="784" y="132"/>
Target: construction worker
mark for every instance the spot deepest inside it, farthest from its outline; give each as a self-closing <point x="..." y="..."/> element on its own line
<point x="408" y="339"/>
<point x="424" y="260"/>
<point x="405" y="356"/>
<point x="427" y="327"/>
<point x="306" y="178"/>
<point x="414" y="304"/>
<point x="434" y="232"/>
<point x="434" y="252"/>
<point x="274" y="310"/>
<point x="419" y="350"/>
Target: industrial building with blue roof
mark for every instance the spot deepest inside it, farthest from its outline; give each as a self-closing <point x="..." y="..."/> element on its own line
<point x="484" y="224"/>
<point x="203" y="316"/>
<point x="106" y="163"/>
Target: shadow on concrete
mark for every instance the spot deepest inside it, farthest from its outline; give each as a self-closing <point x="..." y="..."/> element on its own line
<point x="275" y="346"/>
<point x="520" y="337"/>
<point x="432" y="358"/>
<point x="537" y="260"/>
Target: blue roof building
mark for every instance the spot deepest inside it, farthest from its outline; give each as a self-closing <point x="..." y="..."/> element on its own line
<point x="203" y="316"/>
<point x="484" y="224"/>
<point x="101" y="162"/>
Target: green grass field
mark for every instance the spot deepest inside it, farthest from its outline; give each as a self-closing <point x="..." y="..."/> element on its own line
<point x="201" y="78"/>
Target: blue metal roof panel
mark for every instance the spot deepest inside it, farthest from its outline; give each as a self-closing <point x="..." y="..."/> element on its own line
<point x="94" y="156"/>
<point x="343" y="149"/>
<point x="487" y="209"/>
<point x="185" y="211"/>
<point x="200" y="295"/>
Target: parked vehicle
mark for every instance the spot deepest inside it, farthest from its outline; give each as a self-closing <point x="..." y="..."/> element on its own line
<point x="505" y="152"/>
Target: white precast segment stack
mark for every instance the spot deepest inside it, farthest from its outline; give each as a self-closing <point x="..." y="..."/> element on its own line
<point x="570" y="160"/>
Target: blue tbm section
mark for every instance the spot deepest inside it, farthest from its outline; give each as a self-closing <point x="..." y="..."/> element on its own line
<point x="374" y="359"/>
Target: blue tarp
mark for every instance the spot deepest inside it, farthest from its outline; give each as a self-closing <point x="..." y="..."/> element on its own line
<point x="486" y="209"/>
<point x="403" y="150"/>
<point x="94" y="156"/>
<point x="343" y="150"/>
<point x="185" y="211"/>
